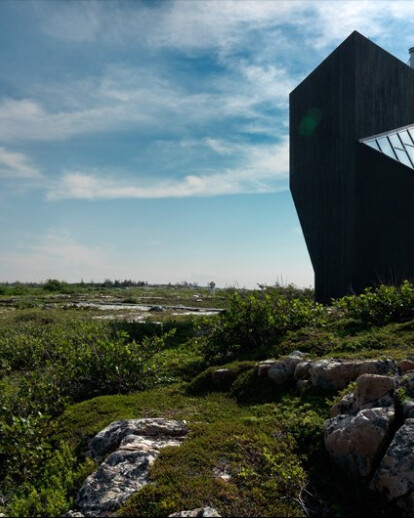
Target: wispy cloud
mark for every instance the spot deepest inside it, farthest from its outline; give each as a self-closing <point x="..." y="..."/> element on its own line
<point x="266" y="170"/>
<point x="16" y="165"/>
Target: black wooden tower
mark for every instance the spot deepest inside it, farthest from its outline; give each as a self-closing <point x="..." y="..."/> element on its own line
<point x="352" y="168"/>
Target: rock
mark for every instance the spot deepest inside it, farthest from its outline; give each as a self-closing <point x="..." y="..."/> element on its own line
<point x="70" y="514"/>
<point x="302" y="370"/>
<point x="395" y="474"/>
<point x="108" y="439"/>
<point x="157" y="309"/>
<point x="201" y="511"/>
<point x="125" y="471"/>
<point x="354" y="441"/>
<point x="408" y="408"/>
<point x="264" y="366"/>
<point x="406" y="365"/>
<point x="373" y="388"/>
<point x="345" y="406"/>
<point x="119" y="477"/>
<point x="282" y="371"/>
<point x="337" y="374"/>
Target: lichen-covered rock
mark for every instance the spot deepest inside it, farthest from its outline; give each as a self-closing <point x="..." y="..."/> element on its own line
<point x="302" y="370"/>
<point x="264" y="366"/>
<point x="282" y="371"/>
<point x="395" y="474"/>
<point x="406" y="366"/>
<point x="408" y="408"/>
<point x="125" y="471"/>
<point x="337" y="374"/>
<point x="354" y="441"/>
<point x="195" y="513"/>
<point x="345" y="406"/>
<point x="374" y="389"/>
<point x="108" y="439"/>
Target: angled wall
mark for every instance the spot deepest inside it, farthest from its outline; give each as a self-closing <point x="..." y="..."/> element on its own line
<point x="358" y="91"/>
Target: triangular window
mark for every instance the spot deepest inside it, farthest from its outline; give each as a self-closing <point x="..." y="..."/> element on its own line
<point x="397" y="144"/>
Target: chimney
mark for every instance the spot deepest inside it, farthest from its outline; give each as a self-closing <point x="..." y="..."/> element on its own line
<point x="411" y="60"/>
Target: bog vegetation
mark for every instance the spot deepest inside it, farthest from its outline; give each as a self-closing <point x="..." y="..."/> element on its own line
<point x="66" y="373"/>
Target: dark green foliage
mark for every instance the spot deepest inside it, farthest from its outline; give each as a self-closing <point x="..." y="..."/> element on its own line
<point x="309" y="340"/>
<point x="249" y="387"/>
<point x="266" y="475"/>
<point x="53" y="492"/>
<point x="203" y="383"/>
<point x="50" y="359"/>
<point x="381" y="305"/>
<point x="268" y="438"/>
<point x="53" y="285"/>
<point x="255" y="320"/>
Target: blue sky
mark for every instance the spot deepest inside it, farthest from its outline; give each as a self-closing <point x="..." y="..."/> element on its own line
<point x="149" y="139"/>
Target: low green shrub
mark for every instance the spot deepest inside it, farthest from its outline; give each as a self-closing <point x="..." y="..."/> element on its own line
<point x="53" y="492"/>
<point x="251" y="388"/>
<point x="265" y="474"/>
<point x="310" y="340"/>
<point x="381" y="305"/>
<point x="255" y="320"/>
<point x="204" y="383"/>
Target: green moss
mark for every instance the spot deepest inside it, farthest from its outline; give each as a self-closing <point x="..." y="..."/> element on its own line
<point x="204" y="383"/>
<point x="265" y="474"/>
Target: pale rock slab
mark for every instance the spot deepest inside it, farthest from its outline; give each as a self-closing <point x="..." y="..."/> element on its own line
<point x="355" y="441"/>
<point x="125" y="471"/>
<point x="195" y="513"/>
<point x="282" y="371"/>
<point x="337" y="374"/>
<point x="108" y="439"/>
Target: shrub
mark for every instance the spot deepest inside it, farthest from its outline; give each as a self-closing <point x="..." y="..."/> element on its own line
<point x="53" y="492"/>
<point x="256" y="320"/>
<point x="381" y="305"/>
<point x="203" y="383"/>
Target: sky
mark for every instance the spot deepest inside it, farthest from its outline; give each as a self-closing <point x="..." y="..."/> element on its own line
<point x="148" y="140"/>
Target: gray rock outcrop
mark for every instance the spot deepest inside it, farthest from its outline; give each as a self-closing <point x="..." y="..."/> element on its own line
<point x="354" y="441"/>
<point x="371" y="435"/>
<point x="395" y="474"/>
<point x="134" y="444"/>
<point x="281" y="371"/>
<point x="337" y="374"/>
<point x="195" y="513"/>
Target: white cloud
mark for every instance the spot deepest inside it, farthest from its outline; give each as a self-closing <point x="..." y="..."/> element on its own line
<point x="266" y="170"/>
<point x="16" y="165"/>
<point x="144" y="101"/>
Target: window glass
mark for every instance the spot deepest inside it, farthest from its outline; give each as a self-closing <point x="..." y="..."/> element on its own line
<point x="403" y="158"/>
<point x="395" y="141"/>
<point x="410" y="151"/>
<point x="386" y="147"/>
<point x="405" y="137"/>
<point x="373" y="144"/>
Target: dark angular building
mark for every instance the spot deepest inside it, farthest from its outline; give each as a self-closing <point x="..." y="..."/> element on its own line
<point x="351" y="168"/>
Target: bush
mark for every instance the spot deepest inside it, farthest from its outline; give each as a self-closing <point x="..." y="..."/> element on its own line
<point x="203" y="383"/>
<point x="381" y="305"/>
<point x="53" y="492"/>
<point x="257" y="320"/>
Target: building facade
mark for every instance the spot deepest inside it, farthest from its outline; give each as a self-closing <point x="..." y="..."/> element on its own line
<point x="352" y="168"/>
